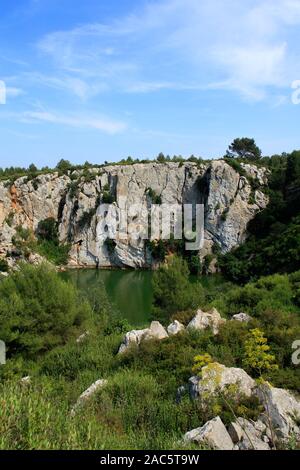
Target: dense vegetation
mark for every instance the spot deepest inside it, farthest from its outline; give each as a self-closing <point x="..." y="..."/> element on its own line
<point x="42" y="315"/>
<point x="274" y="241"/>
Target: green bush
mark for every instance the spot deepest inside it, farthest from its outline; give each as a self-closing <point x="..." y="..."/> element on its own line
<point x="56" y="254"/>
<point x="48" y="230"/>
<point x="3" y="265"/>
<point x="172" y="290"/>
<point x="38" y="311"/>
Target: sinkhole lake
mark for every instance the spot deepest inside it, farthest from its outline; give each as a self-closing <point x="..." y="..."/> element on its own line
<point x="130" y="291"/>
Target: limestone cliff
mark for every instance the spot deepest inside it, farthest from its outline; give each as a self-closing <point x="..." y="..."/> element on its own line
<point x="73" y="199"/>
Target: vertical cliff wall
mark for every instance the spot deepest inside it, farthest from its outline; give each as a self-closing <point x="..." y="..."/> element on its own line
<point x="230" y="203"/>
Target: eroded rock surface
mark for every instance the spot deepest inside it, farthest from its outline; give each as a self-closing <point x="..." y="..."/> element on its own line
<point x="203" y="320"/>
<point x="73" y="200"/>
<point x="213" y="434"/>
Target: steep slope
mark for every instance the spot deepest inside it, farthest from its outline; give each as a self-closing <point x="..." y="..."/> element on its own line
<point x="73" y="201"/>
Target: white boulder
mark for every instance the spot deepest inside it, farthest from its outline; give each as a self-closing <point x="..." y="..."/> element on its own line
<point x="213" y="434"/>
<point x="216" y="377"/>
<point x="85" y="396"/>
<point x="132" y="337"/>
<point x="156" y="331"/>
<point x="175" y="328"/>
<point x="247" y="435"/>
<point x="242" y="317"/>
<point x="282" y="409"/>
<point x="203" y="320"/>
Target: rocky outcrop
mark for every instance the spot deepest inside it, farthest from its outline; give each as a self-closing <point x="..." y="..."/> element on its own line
<point x="74" y="200"/>
<point x="135" y="337"/>
<point x="279" y="421"/>
<point x="283" y="411"/>
<point x="204" y="320"/>
<point x="213" y="434"/>
<point x="216" y="377"/>
<point x="247" y="435"/>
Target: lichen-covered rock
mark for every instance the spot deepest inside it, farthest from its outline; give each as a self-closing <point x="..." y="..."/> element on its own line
<point x="175" y="328"/>
<point x="216" y="377"/>
<point x="204" y="320"/>
<point x="282" y="409"/>
<point x="213" y="434"/>
<point x="242" y="317"/>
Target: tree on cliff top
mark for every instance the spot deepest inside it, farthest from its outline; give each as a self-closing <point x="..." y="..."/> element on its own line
<point x="244" y="148"/>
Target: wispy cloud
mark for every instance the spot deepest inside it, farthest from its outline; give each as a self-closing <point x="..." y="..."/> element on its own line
<point x="240" y="46"/>
<point x="96" y="122"/>
<point x="13" y="92"/>
<point x="99" y="123"/>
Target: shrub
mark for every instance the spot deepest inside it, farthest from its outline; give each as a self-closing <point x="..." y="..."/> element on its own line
<point x="56" y="254"/>
<point x="38" y="311"/>
<point x="3" y="265"/>
<point x="110" y="245"/>
<point x="172" y="290"/>
<point x="86" y="218"/>
<point x="107" y="198"/>
<point x="48" y="230"/>
<point x="154" y="198"/>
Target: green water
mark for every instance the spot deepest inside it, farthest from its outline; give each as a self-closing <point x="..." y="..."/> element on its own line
<point x="129" y="291"/>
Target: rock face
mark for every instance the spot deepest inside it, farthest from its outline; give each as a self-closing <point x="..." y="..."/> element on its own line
<point x="156" y="331"/>
<point x="249" y="435"/>
<point x="204" y="320"/>
<point x="283" y="410"/>
<point x="280" y="420"/>
<point x="216" y="377"/>
<point x="213" y="434"/>
<point x="74" y="201"/>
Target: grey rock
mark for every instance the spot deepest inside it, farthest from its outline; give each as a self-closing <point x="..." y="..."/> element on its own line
<point x="133" y="337"/>
<point x="50" y="196"/>
<point x="283" y="410"/>
<point x="175" y="328"/>
<point x="249" y="438"/>
<point x="242" y="317"/>
<point x="156" y="331"/>
<point x="204" y="320"/>
<point x="213" y="434"/>
<point x="245" y="434"/>
<point x="215" y="377"/>
<point x="87" y="394"/>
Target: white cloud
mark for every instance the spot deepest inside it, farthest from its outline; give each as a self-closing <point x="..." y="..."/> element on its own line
<point x="95" y="122"/>
<point x="247" y="47"/>
<point x="13" y="92"/>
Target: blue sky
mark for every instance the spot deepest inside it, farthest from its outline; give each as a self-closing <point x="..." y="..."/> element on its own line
<point x="103" y="79"/>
